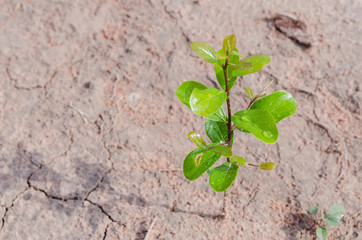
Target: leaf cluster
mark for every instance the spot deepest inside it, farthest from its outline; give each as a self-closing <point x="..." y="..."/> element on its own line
<point x="260" y="117"/>
<point x="330" y="219"/>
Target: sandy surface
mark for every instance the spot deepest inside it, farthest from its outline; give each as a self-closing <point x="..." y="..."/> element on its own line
<point x="93" y="138"/>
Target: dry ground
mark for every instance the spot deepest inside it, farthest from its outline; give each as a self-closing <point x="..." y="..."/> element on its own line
<point x="93" y="138"/>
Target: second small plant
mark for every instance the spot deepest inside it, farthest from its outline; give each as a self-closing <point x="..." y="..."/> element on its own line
<point x="330" y="219"/>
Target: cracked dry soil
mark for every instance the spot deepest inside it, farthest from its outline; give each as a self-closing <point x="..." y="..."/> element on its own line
<point x="93" y="138"/>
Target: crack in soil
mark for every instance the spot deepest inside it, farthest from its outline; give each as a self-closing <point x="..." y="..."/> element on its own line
<point x="101" y="131"/>
<point x="184" y="34"/>
<point x="102" y="209"/>
<point x="109" y="158"/>
<point x="106" y="231"/>
<point x="69" y="199"/>
<point x="85" y="198"/>
<point x="100" y="181"/>
<point x="200" y="214"/>
<point x="7" y="208"/>
<point x="342" y="153"/>
<point x="255" y="192"/>
<point x="174" y="209"/>
<point x="44" y="87"/>
<point x="166" y="11"/>
<point x="47" y="83"/>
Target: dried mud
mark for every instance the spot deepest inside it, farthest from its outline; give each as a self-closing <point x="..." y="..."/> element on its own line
<point x="93" y="137"/>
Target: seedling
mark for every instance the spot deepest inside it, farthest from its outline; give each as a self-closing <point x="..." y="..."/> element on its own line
<point x="331" y="219"/>
<point x="259" y="118"/>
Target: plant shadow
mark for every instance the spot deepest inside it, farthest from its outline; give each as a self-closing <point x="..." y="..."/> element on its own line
<point x="142" y="231"/>
<point x="300" y="226"/>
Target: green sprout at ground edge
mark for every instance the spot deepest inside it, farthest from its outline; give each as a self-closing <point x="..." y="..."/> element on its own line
<point x="330" y="219"/>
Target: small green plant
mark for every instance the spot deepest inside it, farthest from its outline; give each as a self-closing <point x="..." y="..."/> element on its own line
<point x="330" y="219"/>
<point x="259" y="118"/>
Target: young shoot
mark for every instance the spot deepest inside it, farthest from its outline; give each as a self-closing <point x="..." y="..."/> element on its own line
<point x="330" y="219"/>
<point x="260" y="117"/>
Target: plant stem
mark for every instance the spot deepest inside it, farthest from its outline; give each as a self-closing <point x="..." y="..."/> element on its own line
<point x="252" y="101"/>
<point x="230" y="131"/>
<point x="261" y="92"/>
<point x="253" y="165"/>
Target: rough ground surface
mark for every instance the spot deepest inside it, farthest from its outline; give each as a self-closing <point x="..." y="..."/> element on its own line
<point x="93" y="138"/>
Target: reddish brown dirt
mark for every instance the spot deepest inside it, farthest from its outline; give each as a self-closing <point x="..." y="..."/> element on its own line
<point x="93" y="137"/>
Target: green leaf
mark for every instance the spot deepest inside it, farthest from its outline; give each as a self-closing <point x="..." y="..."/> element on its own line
<point x="219" y="72"/>
<point x="193" y="171"/>
<point x="249" y="92"/>
<point x="235" y="56"/>
<point x="184" y="91"/>
<point x="221" y="55"/>
<point x="208" y="172"/>
<point x="313" y="210"/>
<point x="223" y="176"/>
<point x="322" y="233"/>
<point x="217" y="132"/>
<point x="213" y="145"/>
<point x="198" y="159"/>
<point x="336" y="211"/>
<point x="280" y="104"/>
<point x="197" y="139"/>
<point x="219" y="116"/>
<point x="241" y="66"/>
<point x="229" y="43"/>
<point x="232" y="82"/>
<point x="331" y="220"/>
<point x="223" y="150"/>
<point x="236" y="53"/>
<point x="267" y="166"/>
<point x="205" y="51"/>
<point x="259" y="122"/>
<point x="266" y="87"/>
<point x="258" y="63"/>
<point x="234" y="60"/>
<point x="206" y="102"/>
<point x="238" y="160"/>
